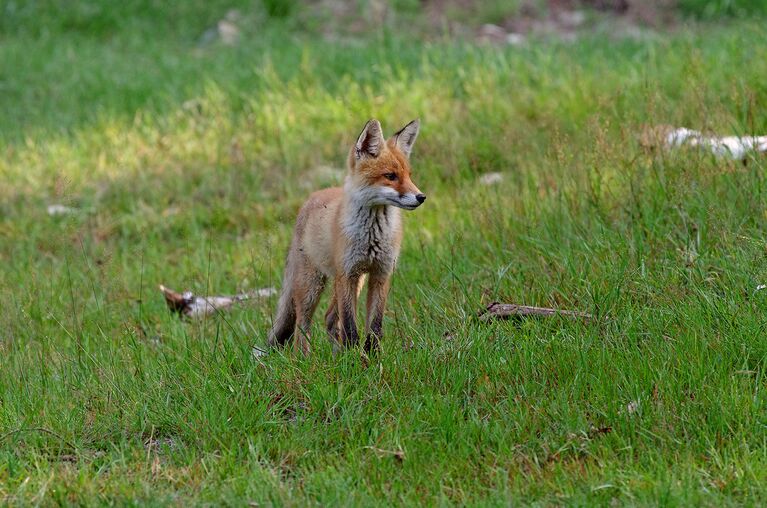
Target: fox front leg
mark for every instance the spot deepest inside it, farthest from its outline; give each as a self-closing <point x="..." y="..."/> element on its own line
<point x="378" y="290"/>
<point x="346" y="296"/>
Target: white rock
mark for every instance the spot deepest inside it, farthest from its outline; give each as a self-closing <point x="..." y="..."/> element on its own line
<point x="492" y="33"/>
<point x="515" y="39"/>
<point x="256" y="352"/>
<point x="491" y="178"/>
<point x="572" y="18"/>
<point x="57" y="209"/>
<point x="228" y="32"/>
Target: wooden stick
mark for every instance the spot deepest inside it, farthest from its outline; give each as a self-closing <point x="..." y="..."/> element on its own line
<point x="497" y="310"/>
<point x="188" y="305"/>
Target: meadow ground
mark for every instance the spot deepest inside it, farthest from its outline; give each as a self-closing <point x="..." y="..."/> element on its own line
<point x="184" y="164"/>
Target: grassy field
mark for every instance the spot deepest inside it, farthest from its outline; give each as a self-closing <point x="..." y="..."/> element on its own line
<point x="184" y="164"/>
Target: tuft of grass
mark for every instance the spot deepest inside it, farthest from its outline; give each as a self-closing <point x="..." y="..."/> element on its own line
<point x="185" y="164"/>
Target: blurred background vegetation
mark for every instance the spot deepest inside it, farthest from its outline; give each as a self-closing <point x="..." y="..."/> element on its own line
<point x="60" y="56"/>
<point x="103" y="18"/>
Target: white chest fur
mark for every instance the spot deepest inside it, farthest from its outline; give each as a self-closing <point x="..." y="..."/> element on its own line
<point x="372" y="235"/>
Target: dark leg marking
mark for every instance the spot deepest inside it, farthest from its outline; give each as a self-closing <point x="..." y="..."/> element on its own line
<point x="349" y="325"/>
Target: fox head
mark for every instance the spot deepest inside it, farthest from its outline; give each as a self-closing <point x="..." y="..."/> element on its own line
<point x="379" y="170"/>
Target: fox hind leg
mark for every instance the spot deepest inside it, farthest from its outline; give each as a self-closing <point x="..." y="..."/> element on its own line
<point x="310" y="284"/>
<point x="285" y="321"/>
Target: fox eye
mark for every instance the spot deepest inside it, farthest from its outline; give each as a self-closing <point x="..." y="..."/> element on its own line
<point x="390" y="176"/>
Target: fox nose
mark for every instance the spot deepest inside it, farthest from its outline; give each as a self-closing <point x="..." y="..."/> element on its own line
<point x="420" y="197"/>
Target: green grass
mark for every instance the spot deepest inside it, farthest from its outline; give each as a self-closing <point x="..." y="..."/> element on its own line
<point x="186" y="166"/>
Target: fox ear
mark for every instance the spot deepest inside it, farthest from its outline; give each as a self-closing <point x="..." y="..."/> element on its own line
<point x="404" y="139"/>
<point x="370" y="142"/>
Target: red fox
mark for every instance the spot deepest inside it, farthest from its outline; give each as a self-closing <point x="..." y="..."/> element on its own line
<point x="344" y="234"/>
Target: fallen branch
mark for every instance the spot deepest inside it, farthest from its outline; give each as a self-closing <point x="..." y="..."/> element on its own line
<point x="498" y="310"/>
<point x="731" y="147"/>
<point x="188" y="305"/>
